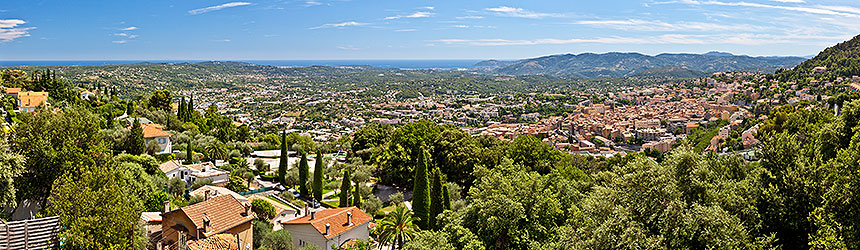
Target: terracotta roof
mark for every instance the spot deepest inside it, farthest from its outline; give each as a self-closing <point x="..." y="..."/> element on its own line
<point x="224" y="212"/>
<point x="169" y="166"/>
<point x="13" y="90"/>
<point x="217" y="191"/>
<point x="153" y="131"/>
<point x="215" y="242"/>
<point x="151" y="216"/>
<point x="336" y="218"/>
<point x="32" y="99"/>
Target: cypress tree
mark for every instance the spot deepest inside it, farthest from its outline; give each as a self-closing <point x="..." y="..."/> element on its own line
<point x="138" y="144"/>
<point x="303" y="174"/>
<point x="344" y="189"/>
<point x="189" y="153"/>
<point x="284" y="164"/>
<point x="190" y="109"/>
<point x="356" y="196"/>
<point x="129" y="108"/>
<point x="318" y="176"/>
<point x="421" y="192"/>
<point x="436" y="206"/>
<point x="180" y="111"/>
<point x="446" y="198"/>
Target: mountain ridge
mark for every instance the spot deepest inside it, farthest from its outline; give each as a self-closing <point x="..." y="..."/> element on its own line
<point x="623" y="64"/>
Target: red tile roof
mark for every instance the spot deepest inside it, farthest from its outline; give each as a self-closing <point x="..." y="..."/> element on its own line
<point x="215" y="242"/>
<point x="153" y="131"/>
<point x="336" y="218"/>
<point x="224" y="212"/>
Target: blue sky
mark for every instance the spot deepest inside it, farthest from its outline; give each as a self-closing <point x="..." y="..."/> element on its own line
<point x="375" y="29"/>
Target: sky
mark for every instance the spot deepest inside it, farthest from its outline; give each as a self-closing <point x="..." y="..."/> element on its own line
<point x="415" y="29"/>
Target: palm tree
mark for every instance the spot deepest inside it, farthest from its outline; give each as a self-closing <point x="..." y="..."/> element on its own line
<point x="216" y="150"/>
<point x="397" y="227"/>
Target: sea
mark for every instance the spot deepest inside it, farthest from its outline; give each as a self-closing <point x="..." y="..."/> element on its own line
<point x="399" y="64"/>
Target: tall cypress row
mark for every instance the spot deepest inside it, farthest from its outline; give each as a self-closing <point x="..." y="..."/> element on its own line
<point x="421" y="192"/>
<point x="284" y="164"/>
<point x="446" y="198"/>
<point x="303" y="173"/>
<point x="318" y="176"/>
<point x="180" y="111"/>
<point x="436" y="206"/>
<point x="190" y="109"/>
<point x="345" y="184"/>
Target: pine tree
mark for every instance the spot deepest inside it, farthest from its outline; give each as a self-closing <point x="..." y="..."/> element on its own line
<point x="344" y="189"/>
<point x="446" y="198"/>
<point x="284" y="164"/>
<point x="318" y="176"/>
<point x="436" y="206"/>
<point x="303" y="173"/>
<point x="421" y="192"/>
<point x="137" y="144"/>
<point x="356" y="197"/>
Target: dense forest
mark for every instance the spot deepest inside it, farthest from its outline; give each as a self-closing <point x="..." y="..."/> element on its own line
<point x="841" y="60"/>
<point x="801" y="194"/>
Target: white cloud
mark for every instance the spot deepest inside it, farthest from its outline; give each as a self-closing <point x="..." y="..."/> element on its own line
<point x="469" y="17"/>
<point x="217" y="7"/>
<point x="120" y="41"/>
<point x="520" y="12"/>
<point x="429" y="7"/>
<point x="9" y="30"/>
<point x="461" y="26"/>
<point x="338" y="25"/>
<point x="222" y="41"/>
<point x="419" y="14"/>
<point x="129" y="28"/>
<point x="811" y="10"/>
<point x="405" y="30"/>
<point x="646" y="25"/>
<point x="312" y="3"/>
<point x="348" y="47"/>
<point x="132" y="36"/>
<point x="11" y="23"/>
<point x="789" y="1"/>
<point x="679" y="39"/>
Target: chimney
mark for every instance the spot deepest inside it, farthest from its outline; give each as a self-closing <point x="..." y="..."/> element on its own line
<point x="327" y="227"/>
<point x="166" y="206"/>
<point x="349" y="218"/>
<point x="247" y="209"/>
<point x="312" y="214"/>
<point x="206" y="195"/>
<point x="205" y="223"/>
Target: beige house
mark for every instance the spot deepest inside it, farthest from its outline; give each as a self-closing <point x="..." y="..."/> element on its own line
<point x="329" y="227"/>
<point x="208" y="225"/>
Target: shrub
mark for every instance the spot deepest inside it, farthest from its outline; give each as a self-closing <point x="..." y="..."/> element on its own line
<point x="263" y="209"/>
<point x="395" y="198"/>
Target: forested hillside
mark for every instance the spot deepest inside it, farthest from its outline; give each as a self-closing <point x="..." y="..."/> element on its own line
<point x="589" y="65"/>
<point x="841" y="60"/>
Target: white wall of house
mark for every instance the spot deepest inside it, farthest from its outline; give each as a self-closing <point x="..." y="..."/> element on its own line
<point x="164" y="143"/>
<point x="359" y="232"/>
<point x="306" y="234"/>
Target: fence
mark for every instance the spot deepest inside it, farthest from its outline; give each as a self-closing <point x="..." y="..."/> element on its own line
<point x="29" y="234"/>
<point x="260" y="190"/>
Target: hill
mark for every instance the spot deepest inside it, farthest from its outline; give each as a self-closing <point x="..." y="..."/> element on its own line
<point x="590" y="65"/>
<point x="841" y="60"/>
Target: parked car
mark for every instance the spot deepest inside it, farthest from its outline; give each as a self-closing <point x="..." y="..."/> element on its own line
<point x="294" y="192"/>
